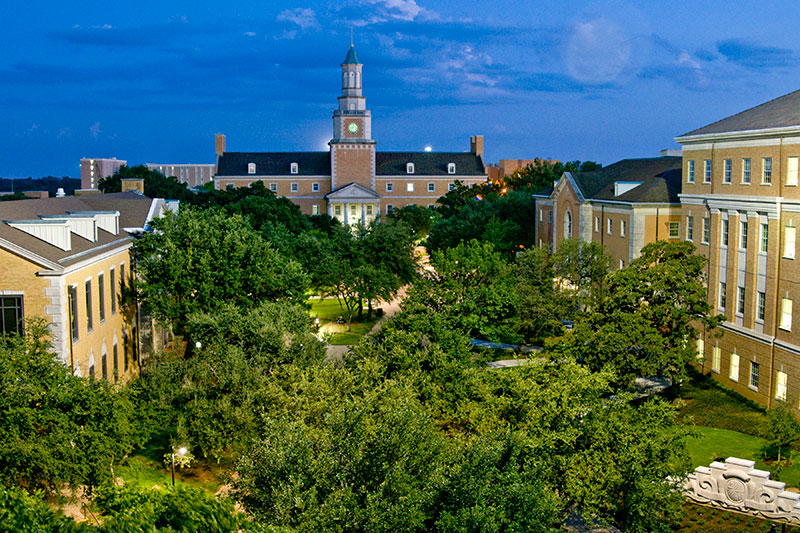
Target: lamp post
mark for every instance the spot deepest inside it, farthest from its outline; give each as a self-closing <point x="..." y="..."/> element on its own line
<point x="181" y="451"/>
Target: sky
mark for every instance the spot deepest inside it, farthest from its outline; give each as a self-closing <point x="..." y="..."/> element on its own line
<point x="154" y="80"/>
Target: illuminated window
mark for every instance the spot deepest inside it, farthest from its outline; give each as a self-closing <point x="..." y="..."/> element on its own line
<point x="409" y="187"/>
<point x="791" y="171"/>
<point x="786" y="314"/>
<point x="789" y="239"/>
<point x="293" y="168"/>
<point x="622" y="228"/>
<point x="251" y="168"/>
<point x="596" y="224"/>
<point x="734" y="373"/>
<point x="701" y="349"/>
<point x="716" y="356"/>
<point x="780" y="386"/>
<point x="610" y="226"/>
<point x="451" y="168"/>
<point x="315" y="209"/>
<point x="409" y="168"/>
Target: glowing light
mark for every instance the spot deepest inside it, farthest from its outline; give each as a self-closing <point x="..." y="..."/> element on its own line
<point x="429" y="148"/>
<point x="182" y="451"/>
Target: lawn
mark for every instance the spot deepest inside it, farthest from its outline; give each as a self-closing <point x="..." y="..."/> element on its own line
<point x="142" y="471"/>
<point x="328" y="310"/>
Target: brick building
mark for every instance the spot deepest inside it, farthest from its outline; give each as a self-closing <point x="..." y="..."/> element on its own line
<point x="740" y="205"/>
<point x="352" y="181"/>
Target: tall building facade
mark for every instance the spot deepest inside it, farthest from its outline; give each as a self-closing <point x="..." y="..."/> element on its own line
<point x="93" y="170"/>
<point x="352" y="181"/>
<point x="740" y="206"/>
<point x="623" y="206"/>
<point x="192" y="174"/>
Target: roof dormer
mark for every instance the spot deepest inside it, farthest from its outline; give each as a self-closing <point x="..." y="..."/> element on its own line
<point x="55" y="232"/>
<point x="621" y="187"/>
<point x="409" y="168"/>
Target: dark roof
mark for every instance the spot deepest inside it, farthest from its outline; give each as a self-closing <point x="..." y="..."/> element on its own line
<point x="781" y="112"/>
<point x="133" y="210"/>
<point x="428" y="163"/>
<point x="275" y="163"/>
<point x="351" y="58"/>
<point x="660" y="177"/>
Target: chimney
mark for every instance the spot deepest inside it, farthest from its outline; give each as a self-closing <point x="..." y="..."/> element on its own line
<point x="476" y="145"/>
<point x="133" y="184"/>
<point x="219" y="142"/>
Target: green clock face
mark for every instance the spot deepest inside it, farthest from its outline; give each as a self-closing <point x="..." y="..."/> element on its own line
<point x="352" y="127"/>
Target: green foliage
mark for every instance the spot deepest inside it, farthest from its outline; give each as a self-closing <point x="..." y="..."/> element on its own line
<point x="24" y="513"/>
<point x="156" y="184"/>
<point x="56" y="428"/>
<point x="185" y="509"/>
<point x="472" y="286"/>
<point x="781" y="428"/>
<point x="541" y="174"/>
<point x="417" y="218"/>
<point x="201" y="259"/>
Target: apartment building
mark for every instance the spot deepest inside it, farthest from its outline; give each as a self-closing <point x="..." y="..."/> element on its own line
<point x="194" y="175"/>
<point x="354" y="182"/>
<point x="93" y="170"/>
<point x="67" y="260"/>
<point x="740" y="205"/>
<point x="623" y="206"/>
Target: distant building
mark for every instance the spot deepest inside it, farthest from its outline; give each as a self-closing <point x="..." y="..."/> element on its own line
<point x="506" y="167"/>
<point x="352" y="181"/>
<point x="93" y="170"/>
<point x="66" y="260"/>
<point x="623" y="206"/>
<point x="192" y="174"/>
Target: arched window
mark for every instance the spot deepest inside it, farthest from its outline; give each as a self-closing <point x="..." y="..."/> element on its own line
<point x="567" y="224"/>
<point x="293" y="168"/>
<point x="409" y="168"/>
<point x="451" y="168"/>
<point x="352" y="79"/>
<point x="251" y="168"/>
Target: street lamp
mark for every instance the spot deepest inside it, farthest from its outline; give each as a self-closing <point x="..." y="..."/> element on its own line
<point x="181" y="451"/>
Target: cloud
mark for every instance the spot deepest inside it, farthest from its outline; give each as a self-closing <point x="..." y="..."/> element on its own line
<point x="752" y="55"/>
<point x="94" y="129"/>
<point x="303" y="17"/>
<point x="598" y="51"/>
<point x="250" y="33"/>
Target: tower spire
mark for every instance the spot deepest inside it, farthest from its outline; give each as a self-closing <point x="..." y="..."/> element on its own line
<point x="351" y="35"/>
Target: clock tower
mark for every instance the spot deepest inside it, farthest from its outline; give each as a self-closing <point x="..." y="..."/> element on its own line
<point x="352" y="147"/>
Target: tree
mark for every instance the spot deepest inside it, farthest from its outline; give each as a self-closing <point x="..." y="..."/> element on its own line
<point x="417" y="218"/>
<point x="156" y="184"/>
<point x="780" y="428"/>
<point x="198" y="260"/>
<point x="580" y="269"/>
<point x="542" y="173"/>
<point x="56" y="428"/>
<point x="24" y="513"/>
<point x="540" y="307"/>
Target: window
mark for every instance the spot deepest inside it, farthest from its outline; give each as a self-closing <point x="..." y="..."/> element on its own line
<point x="789" y="239"/>
<point x="761" y="306"/>
<point x="701" y="349"/>
<point x="690" y="172"/>
<point x="409" y="187"/>
<point x="315" y="187"/>
<point x="622" y="227"/>
<point x="315" y="209"/>
<point x="766" y="170"/>
<point x="409" y="168"/>
<point x="753" y="375"/>
<point x="791" y="171"/>
<point x="734" y="371"/>
<point x="337" y="210"/>
<point x="567" y="224"/>
<point x="726" y="172"/>
<point x="88" y="305"/>
<point x="706" y="229"/>
<point x="431" y="187"/>
<point x="91" y="366"/>
<point x="113" y="284"/>
<point x="707" y="171"/>
<point x="722" y="295"/>
<point x="597" y="224"/>
<point x="743" y="235"/>
<point x="609" y="226"/>
<point x="621" y="264"/>
<point x="746" y="170"/>
<point x="780" y="387"/>
<point x="541" y="214"/>
<point x="451" y="187"/>
<point x="786" y="314"/>
<point x="251" y="168"/>
<point x="122" y="280"/>
<point x="725" y="228"/>
<point x="11" y="315"/>
<point x="124" y="353"/>
<point x="550" y="217"/>
<point x="104" y="365"/>
<point x="369" y="209"/>
<point x="716" y="356"/>
<point x="293" y="187"/>
<point x="389" y="208"/>
<point x="689" y="228"/>
<point x="740" y="300"/>
<point x="72" y="295"/>
<point x="764" y="238"/>
<point x="115" y="360"/>
<point x="451" y="168"/>
<point x="101" y="295"/>
<point x="390" y="187"/>
<point x="293" y="168"/>
<point x="674" y="230"/>
<point x="353" y="210"/>
<point x="273" y="187"/>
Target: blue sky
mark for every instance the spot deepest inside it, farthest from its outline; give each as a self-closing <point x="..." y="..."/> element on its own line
<point x="152" y="81"/>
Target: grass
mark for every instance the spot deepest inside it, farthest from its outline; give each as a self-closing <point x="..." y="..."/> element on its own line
<point x="142" y="471"/>
<point x="700" y="519"/>
<point x="328" y="311"/>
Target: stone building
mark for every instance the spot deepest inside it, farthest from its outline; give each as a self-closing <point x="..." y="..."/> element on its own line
<point x="352" y="181"/>
<point x="740" y="206"/>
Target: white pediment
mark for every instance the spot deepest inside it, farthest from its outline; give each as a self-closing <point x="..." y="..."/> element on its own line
<point x="352" y="192"/>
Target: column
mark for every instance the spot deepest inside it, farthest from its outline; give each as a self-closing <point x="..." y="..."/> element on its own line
<point x="363" y="214"/>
